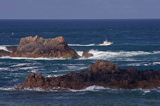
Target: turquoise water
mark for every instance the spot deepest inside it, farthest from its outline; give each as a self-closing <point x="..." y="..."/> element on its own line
<point x="135" y="43"/>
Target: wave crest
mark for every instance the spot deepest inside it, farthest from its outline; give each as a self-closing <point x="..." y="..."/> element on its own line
<point x="116" y="54"/>
<point x="3" y="47"/>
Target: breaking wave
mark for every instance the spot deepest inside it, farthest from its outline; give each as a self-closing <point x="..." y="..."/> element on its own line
<point x="116" y="54"/>
<point x="90" y="88"/>
<point x="96" y="55"/>
<point x="3" y="47"/>
<point x="101" y="44"/>
<point x="93" y="88"/>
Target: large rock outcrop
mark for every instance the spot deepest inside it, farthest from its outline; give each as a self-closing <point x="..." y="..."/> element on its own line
<point x="35" y="46"/>
<point x="102" y="73"/>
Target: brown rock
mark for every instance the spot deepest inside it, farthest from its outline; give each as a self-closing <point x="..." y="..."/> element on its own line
<point x="87" y="54"/>
<point x="103" y="66"/>
<point x="102" y="73"/>
<point x="39" y="47"/>
<point x="34" y="80"/>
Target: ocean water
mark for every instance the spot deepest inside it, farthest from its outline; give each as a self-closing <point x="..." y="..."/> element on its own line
<point x="135" y="43"/>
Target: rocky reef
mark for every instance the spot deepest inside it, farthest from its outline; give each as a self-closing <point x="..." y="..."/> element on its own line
<point x="101" y="73"/>
<point x="35" y="46"/>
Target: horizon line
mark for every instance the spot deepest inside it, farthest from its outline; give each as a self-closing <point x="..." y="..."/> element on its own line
<point x="84" y="19"/>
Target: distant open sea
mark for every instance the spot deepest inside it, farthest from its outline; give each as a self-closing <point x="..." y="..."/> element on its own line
<point x="135" y="43"/>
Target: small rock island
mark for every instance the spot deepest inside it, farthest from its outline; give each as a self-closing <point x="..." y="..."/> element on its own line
<point x="35" y="46"/>
<point x="101" y="73"/>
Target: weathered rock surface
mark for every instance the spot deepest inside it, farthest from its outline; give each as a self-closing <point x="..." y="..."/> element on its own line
<point x="103" y="67"/>
<point x="86" y="54"/>
<point x="39" y="47"/>
<point x="102" y="73"/>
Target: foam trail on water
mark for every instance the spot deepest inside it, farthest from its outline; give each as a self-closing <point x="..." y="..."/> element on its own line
<point x="7" y="88"/>
<point x="105" y="43"/>
<point x="96" y="55"/>
<point x="116" y="54"/>
<point x="153" y="63"/>
<point x="90" y="88"/>
<point x="21" y="65"/>
<point x="82" y="45"/>
<point x="28" y="58"/>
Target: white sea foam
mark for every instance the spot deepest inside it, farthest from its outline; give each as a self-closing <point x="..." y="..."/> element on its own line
<point x="90" y="88"/>
<point x="96" y="55"/>
<point x="116" y="54"/>
<point x="4" y="69"/>
<point x="21" y="65"/>
<point x="34" y="71"/>
<point x="144" y="64"/>
<point x="153" y="63"/>
<point x="28" y="68"/>
<point x="93" y="88"/>
<point x="133" y="64"/>
<point x="28" y="58"/>
<point x="146" y="91"/>
<point x="105" y="43"/>
<point x="3" y="47"/>
<point x="54" y="75"/>
<point x="75" y="67"/>
<point x="7" y="88"/>
<point x="156" y="63"/>
<point x="34" y="89"/>
<point x="82" y="45"/>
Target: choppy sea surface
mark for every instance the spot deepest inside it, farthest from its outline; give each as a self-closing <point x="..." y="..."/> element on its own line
<point x="135" y="43"/>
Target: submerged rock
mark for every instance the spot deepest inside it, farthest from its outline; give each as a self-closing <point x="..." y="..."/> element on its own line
<point x="35" y="46"/>
<point x="102" y="73"/>
<point x="87" y="54"/>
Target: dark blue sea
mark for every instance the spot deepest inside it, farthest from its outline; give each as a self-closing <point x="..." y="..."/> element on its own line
<point x="135" y="43"/>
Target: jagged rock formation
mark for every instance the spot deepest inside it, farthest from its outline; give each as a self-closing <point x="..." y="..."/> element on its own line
<point x="39" y="47"/>
<point x="102" y="73"/>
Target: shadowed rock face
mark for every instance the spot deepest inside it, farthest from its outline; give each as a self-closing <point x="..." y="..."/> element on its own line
<point x="4" y="53"/>
<point x="102" y="73"/>
<point x="103" y="67"/>
<point x="39" y="47"/>
<point x="87" y="54"/>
